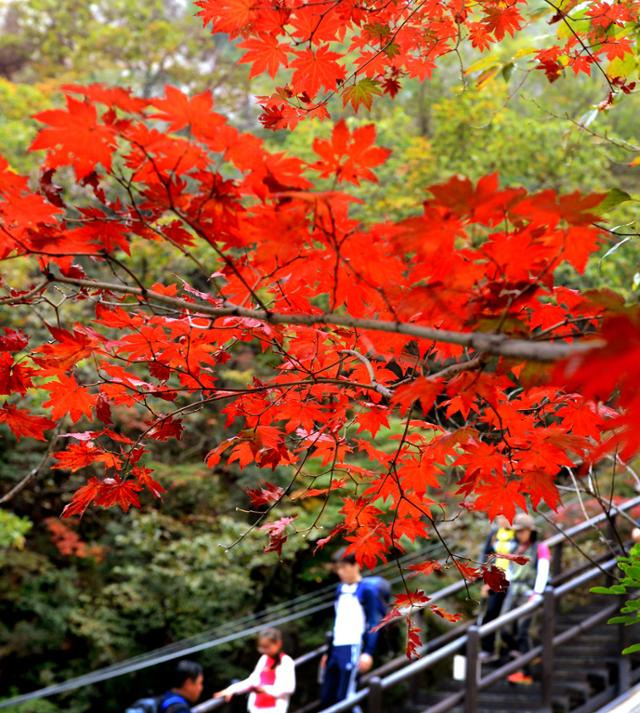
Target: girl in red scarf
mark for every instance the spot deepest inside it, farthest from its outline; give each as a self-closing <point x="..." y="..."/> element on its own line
<point x="273" y="680"/>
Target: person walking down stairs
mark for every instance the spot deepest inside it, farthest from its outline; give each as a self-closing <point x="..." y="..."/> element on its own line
<point x="500" y="541"/>
<point x="526" y="583"/>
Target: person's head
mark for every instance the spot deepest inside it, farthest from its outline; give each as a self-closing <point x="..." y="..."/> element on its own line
<point x="187" y="680"/>
<point x="270" y="642"/>
<point x="347" y="569"/>
<point x="525" y="528"/>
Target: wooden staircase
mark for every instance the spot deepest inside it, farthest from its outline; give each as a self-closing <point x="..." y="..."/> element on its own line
<point x="588" y="672"/>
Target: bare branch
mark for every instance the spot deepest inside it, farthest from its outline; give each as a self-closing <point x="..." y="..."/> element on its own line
<point x="34" y="472"/>
<point x="496" y="344"/>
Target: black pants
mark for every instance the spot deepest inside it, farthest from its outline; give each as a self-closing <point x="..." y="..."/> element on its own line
<point x="518" y="639"/>
<point x="494" y="607"/>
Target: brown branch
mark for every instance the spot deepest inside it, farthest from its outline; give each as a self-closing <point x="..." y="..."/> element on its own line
<point x="378" y="387"/>
<point x="495" y="344"/>
<point x="34" y="472"/>
<point x="20" y="298"/>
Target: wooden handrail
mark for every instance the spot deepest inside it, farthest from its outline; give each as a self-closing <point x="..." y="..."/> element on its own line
<point x="398" y="670"/>
<point x="411" y="669"/>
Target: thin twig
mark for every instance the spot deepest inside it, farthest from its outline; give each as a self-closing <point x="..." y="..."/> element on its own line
<point x="34" y="472"/>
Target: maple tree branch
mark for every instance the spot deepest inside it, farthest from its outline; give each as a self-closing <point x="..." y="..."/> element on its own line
<point x="628" y="468"/>
<point x="566" y="22"/>
<point x="495" y="344"/>
<point x="574" y="544"/>
<point x="20" y="298"/>
<point x="454" y="369"/>
<point x="34" y="472"/>
<point x="380" y="388"/>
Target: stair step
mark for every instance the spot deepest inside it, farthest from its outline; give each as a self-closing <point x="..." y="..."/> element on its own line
<point x="566" y="663"/>
<point x="596" y="678"/>
<point x="588" y="652"/>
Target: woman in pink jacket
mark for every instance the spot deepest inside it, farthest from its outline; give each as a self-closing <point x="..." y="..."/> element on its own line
<point x="273" y="680"/>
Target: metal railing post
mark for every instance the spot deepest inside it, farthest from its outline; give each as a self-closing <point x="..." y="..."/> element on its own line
<point x="624" y="663"/>
<point x="548" y="632"/>
<point x="471" y="679"/>
<point x="374" y="699"/>
<point x="556" y="565"/>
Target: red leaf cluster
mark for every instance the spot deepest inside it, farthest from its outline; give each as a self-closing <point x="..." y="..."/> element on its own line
<point x="322" y="48"/>
<point x="440" y="336"/>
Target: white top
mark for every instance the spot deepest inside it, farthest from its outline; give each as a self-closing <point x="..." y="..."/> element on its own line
<point x="281" y="690"/>
<point x="542" y="575"/>
<point x="350" y="623"/>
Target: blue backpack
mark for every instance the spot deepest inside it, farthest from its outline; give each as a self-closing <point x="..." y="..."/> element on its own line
<point x="383" y="590"/>
<point x="160" y="704"/>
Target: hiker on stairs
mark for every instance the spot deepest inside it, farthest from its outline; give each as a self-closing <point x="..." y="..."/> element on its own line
<point x="359" y="606"/>
<point x="526" y="583"/>
<point x="273" y="680"/>
<point x="499" y="541"/>
<point x="186" y="686"/>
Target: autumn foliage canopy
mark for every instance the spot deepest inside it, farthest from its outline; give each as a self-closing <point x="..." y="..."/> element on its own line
<point x="450" y="322"/>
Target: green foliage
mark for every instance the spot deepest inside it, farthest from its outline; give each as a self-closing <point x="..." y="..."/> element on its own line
<point x="17" y="130"/>
<point x="143" y="45"/>
<point x="630" y="583"/>
<point x="12" y="530"/>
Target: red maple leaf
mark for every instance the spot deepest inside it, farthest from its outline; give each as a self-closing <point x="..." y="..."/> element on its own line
<point x="25" y="424"/>
<point x="426" y="568"/>
<point x="349" y="156"/>
<point x="226" y="15"/>
<point x="116" y="491"/>
<point x="500" y="497"/>
<point x="265" y="53"/>
<point x="414" y="639"/>
<point x="75" y="137"/>
<point x="469" y="573"/>
<point x="13" y="341"/>
<point x="444" y="614"/>
<point x="15" y="377"/>
<point x="276" y="532"/>
<point x="494" y="578"/>
<point x="500" y="20"/>
<point x="68" y="397"/>
<point x="403" y="605"/>
<point x="265" y="495"/>
<point x="180" y="111"/>
<point x="369" y="546"/>
<point x="65" y="539"/>
<point x="80" y="455"/>
<point x="82" y="498"/>
<point x="422" y="389"/>
<point x="315" y="70"/>
<point x="144" y="477"/>
<point x="372" y="419"/>
<point x="165" y="428"/>
<point x="541" y="486"/>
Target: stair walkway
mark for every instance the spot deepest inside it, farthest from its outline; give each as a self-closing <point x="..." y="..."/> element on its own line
<point x="577" y="666"/>
<point x="587" y="673"/>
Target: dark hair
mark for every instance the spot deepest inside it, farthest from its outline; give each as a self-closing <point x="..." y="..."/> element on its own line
<point x="185" y="670"/>
<point x="342" y="556"/>
<point x="275" y="636"/>
<point x="272" y="634"/>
